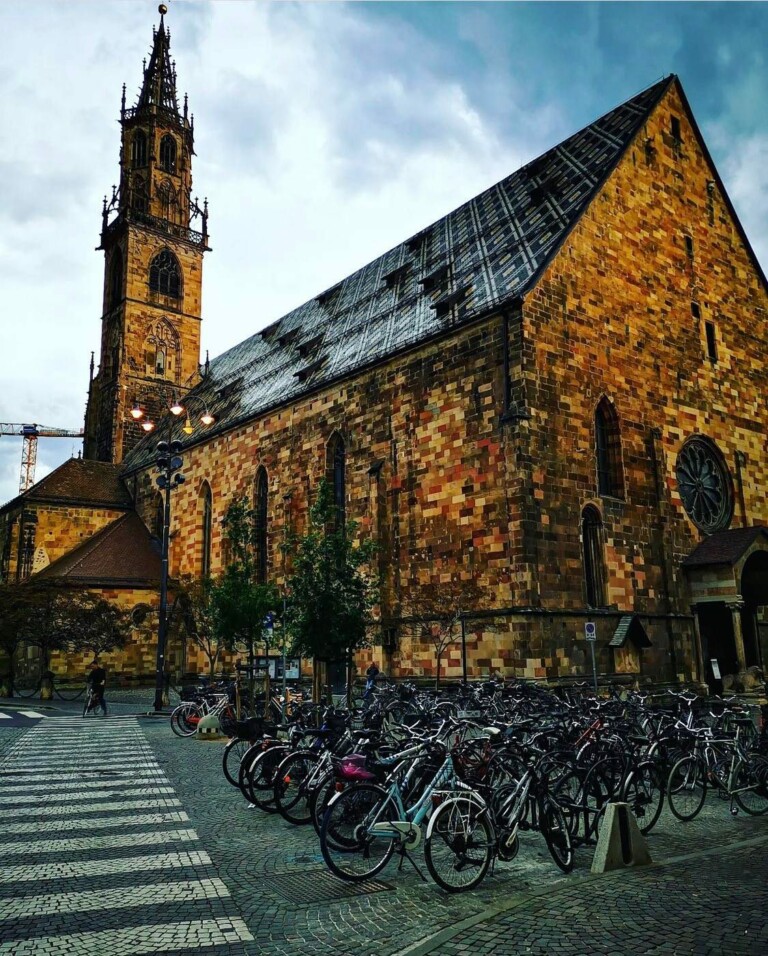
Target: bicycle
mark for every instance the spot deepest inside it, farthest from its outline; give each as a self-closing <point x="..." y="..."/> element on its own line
<point x="723" y="764"/>
<point x="92" y="701"/>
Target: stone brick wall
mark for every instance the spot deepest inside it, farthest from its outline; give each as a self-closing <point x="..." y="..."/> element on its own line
<point x="59" y="529"/>
<point x="454" y="494"/>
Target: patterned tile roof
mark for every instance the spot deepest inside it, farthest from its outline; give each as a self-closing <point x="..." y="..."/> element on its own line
<point x="485" y="253"/>
<point x="96" y="483"/>
<point x="123" y="554"/>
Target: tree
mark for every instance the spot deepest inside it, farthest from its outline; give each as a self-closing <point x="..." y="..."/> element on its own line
<point x="11" y="611"/>
<point x="239" y="603"/>
<point x="438" y="607"/>
<point x="52" y="618"/>
<point x="100" y="626"/>
<point x="196" y="616"/>
<point x="330" y="594"/>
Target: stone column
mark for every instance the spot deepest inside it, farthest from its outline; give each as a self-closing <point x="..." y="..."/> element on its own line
<point x="738" y="636"/>
<point x="698" y="651"/>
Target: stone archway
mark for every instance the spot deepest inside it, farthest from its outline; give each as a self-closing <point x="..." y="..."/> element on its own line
<point x="754" y="622"/>
<point x="729" y="623"/>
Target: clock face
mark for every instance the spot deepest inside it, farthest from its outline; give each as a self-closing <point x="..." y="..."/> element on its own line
<point x="705" y="485"/>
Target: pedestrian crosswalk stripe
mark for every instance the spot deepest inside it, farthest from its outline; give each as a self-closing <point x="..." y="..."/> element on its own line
<point x="87" y="868"/>
<point x="149" y="894"/>
<point x="64" y="811"/>
<point x="106" y="793"/>
<point x="136" y="940"/>
<point x="32" y="848"/>
<point x="32" y="713"/>
<point x="92" y="783"/>
<point x="96" y="823"/>
<point x="6" y="717"/>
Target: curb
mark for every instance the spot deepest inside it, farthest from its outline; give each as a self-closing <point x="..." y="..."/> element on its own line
<point x="432" y="943"/>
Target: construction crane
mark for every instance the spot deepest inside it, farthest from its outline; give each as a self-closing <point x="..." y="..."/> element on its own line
<point x="30" y="434"/>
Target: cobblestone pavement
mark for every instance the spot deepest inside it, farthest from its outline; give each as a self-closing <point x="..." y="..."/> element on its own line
<point x="117" y="835"/>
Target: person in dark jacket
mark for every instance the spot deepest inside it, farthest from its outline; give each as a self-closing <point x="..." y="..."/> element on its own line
<point x="370" y="679"/>
<point x="97" y="681"/>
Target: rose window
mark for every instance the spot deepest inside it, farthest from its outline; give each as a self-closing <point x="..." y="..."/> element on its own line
<point x="705" y="485"/>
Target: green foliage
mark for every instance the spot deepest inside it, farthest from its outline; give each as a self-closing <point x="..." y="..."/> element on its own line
<point x="100" y="625"/>
<point x="330" y="593"/>
<point x="238" y="603"/>
<point x="194" y="617"/>
<point x="54" y="618"/>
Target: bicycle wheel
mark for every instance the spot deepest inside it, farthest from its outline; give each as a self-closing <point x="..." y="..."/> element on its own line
<point x="349" y="849"/>
<point x="750" y="786"/>
<point x="557" y="835"/>
<point x="319" y="798"/>
<point x="260" y="777"/>
<point x="290" y="788"/>
<point x="233" y="754"/>
<point x="686" y="788"/>
<point x="644" y="793"/>
<point x="459" y="844"/>
<point x="184" y="719"/>
<point x="570" y="796"/>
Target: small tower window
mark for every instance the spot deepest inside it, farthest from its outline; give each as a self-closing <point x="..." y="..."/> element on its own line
<point x="168" y="154"/>
<point x="205" y="564"/>
<point x="709" y="329"/>
<point x="260" y="524"/>
<point x="139" y="149"/>
<point x="336" y="467"/>
<point x="160" y="362"/>
<point x="115" y="280"/>
<point x="695" y="310"/>
<point x="164" y="275"/>
<point x="689" y="246"/>
<point x="674" y="125"/>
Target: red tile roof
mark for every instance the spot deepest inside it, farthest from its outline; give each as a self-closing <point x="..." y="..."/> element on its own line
<point x="123" y="554"/>
<point x="95" y="483"/>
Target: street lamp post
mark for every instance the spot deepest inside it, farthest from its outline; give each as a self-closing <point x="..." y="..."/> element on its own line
<point x="168" y="463"/>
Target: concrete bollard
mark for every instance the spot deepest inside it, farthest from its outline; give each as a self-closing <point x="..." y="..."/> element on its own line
<point x="209" y="728"/>
<point x="620" y="842"/>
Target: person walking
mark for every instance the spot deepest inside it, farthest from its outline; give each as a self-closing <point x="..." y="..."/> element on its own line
<point x="97" y="680"/>
<point x="370" y="679"/>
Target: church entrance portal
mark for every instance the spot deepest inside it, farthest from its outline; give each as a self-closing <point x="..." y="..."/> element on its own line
<point x="754" y="591"/>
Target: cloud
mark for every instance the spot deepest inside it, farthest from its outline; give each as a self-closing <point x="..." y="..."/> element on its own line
<point x="325" y="134"/>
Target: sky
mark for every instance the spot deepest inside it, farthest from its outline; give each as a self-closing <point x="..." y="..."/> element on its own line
<point x="325" y="134"/>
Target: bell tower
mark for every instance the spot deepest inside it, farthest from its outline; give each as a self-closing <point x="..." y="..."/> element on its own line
<point x="154" y="236"/>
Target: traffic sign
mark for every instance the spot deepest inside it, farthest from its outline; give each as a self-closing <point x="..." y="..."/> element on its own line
<point x="589" y="631"/>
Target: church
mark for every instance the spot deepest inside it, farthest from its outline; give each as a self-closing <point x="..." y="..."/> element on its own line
<point x="552" y="400"/>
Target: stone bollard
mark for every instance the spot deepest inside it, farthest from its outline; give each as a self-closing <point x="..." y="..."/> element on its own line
<point x="209" y="728"/>
<point x="620" y="842"/>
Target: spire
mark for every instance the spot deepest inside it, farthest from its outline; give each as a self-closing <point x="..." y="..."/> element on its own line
<point x="159" y="86"/>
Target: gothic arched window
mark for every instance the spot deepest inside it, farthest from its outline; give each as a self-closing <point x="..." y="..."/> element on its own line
<point x="261" y="503"/>
<point x="336" y="467"/>
<point x="207" y="525"/>
<point x="168" y="153"/>
<point x="139" y="149"/>
<point x="594" y="564"/>
<point x="610" y="476"/>
<point x="139" y="198"/>
<point x="167" y="195"/>
<point x="115" y="279"/>
<point x="165" y="275"/>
